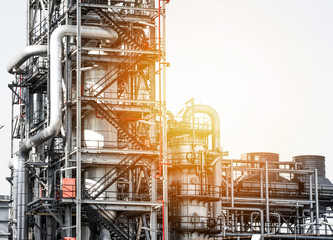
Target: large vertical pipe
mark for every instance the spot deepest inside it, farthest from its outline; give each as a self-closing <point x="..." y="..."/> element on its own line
<point x="317" y="202"/>
<point x="217" y="173"/>
<point x="15" y="199"/>
<point x="22" y="197"/>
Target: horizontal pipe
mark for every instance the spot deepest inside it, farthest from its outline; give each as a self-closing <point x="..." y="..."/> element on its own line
<point x="272" y="200"/>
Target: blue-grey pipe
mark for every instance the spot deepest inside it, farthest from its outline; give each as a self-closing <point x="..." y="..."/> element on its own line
<point x="55" y="104"/>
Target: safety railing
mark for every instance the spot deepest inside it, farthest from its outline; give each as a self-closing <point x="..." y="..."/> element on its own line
<point x="184" y="190"/>
<point x="183" y="124"/>
<point x="132" y="9"/>
<point x="118" y="97"/>
<point x="41" y="28"/>
<point x="119" y="195"/>
<point x="37" y="67"/>
<point x="194" y="222"/>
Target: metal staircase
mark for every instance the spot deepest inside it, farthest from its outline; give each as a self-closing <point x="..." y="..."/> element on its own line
<point x="98" y="212"/>
<point x="113" y="75"/>
<point x="112" y="176"/>
<point x="101" y="215"/>
<point x="112" y="18"/>
<point x="110" y="115"/>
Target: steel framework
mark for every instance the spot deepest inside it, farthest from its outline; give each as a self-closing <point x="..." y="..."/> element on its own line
<point x="96" y="155"/>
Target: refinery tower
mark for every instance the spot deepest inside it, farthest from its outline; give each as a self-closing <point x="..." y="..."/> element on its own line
<point x="96" y="155"/>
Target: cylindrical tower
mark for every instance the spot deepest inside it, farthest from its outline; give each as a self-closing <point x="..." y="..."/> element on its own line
<point x="87" y="121"/>
<point x="195" y="175"/>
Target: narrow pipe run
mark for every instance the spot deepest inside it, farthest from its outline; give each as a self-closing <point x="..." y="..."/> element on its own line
<point x="254" y="210"/>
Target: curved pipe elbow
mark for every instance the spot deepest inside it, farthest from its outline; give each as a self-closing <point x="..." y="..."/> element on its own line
<point x="56" y="77"/>
<point x="200" y="108"/>
<point x="29" y="51"/>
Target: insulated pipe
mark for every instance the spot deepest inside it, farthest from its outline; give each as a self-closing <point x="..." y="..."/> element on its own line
<point x="55" y="104"/>
<point x="29" y="51"/>
<point x="217" y="166"/>
<point x="200" y="108"/>
<point x="56" y="77"/>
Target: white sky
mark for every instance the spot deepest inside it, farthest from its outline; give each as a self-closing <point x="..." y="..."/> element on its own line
<point x="265" y="66"/>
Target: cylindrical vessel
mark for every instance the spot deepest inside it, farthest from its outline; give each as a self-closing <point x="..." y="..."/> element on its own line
<point x="311" y="162"/>
<point x="271" y="158"/>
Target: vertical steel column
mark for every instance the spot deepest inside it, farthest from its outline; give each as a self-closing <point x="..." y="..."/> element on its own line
<point x="153" y="215"/>
<point x="267" y="197"/>
<point x="232" y="194"/>
<point x="317" y="202"/>
<point x="311" y="198"/>
<point x="68" y="122"/>
<point x="165" y="145"/>
<point x="78" y="121"/>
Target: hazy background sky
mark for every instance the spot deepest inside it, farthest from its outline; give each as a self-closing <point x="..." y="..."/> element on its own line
<point x="265" y="66"/>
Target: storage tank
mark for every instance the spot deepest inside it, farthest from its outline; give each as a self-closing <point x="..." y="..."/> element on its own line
<point x="262" y="156"/>
<point x="311" y="162"/>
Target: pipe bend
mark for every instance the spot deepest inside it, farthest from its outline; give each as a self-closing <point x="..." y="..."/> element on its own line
<point x="55" y="102"/>
<point x="211" y="112"/>
<point x="56" y="77"/>
<point x="29" y="51"/>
